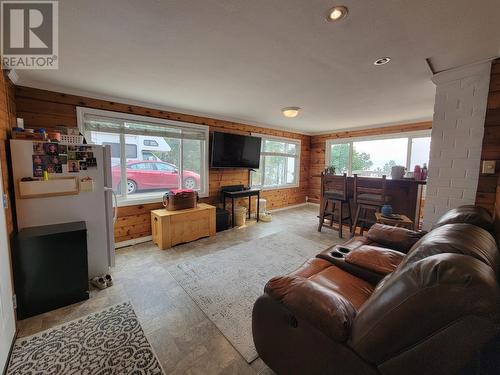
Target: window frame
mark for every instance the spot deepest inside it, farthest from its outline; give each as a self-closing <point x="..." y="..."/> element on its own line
<point x="156" y="196"/>
<point x="149" y="143"/>
<point x="298" y="144"/>
<point x="409" y="135"/>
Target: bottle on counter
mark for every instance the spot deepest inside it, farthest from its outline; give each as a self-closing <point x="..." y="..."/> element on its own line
<point x="417" y="172"/>
<point x="423" y="175"/>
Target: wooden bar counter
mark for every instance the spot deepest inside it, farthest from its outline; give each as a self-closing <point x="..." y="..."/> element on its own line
<point x="406" y="196"/>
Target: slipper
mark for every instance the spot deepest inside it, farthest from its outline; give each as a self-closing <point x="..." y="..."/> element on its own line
<point x="109" y="279"/>
<point x="99" y="282"/>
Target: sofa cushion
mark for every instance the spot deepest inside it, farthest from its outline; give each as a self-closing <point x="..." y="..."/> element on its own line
<point x="354" y="289"/>
<point x="396" y="238"/>
<point x="420" y="300"/>
<point x="374" y="258"/>
<point x="325" y="274"/>
<point x="310" y="267"/>
<point x="468" y="214"/>
<point x="464" y="239"/>
<point x="322" y="307"/>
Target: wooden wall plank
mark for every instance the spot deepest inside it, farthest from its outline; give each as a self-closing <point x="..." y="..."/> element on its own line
<point x="492" y="118"/>
<point x="488" y="185"/>
<point x="495" y="67"/>
<point x="7" y="120"/>
<point x="494" y="100"/>
<point x="497" y="212"/>
<point x="41" y="108"/>
<point x="495" y="82"/>
<point x="426" y="125"/>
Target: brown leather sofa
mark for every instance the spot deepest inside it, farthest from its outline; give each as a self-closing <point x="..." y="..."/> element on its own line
<point x="392" y="302"/>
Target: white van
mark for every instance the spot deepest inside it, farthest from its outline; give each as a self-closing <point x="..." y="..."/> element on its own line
<point x="137" y="147"/>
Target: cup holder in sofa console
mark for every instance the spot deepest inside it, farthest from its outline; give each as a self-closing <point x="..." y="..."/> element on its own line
<point x="337" y="254"/>
<point x="343" y="250"/>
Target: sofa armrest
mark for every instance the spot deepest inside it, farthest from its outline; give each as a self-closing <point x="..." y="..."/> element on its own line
<point x="377" y="259"/>
<point x="397" y="238"/>
<point x="321" y="307"/>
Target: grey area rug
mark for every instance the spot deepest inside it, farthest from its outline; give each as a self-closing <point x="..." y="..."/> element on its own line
<point x="107" y="342"/>
<point x="226" y="284"/>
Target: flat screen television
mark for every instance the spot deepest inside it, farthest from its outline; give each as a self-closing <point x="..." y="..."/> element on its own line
<point x="235" y="151"/>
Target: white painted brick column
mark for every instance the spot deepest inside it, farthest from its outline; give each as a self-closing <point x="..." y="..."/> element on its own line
<point x="457" y="137"/>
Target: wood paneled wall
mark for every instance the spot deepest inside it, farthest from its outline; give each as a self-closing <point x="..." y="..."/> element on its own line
<point x="47" y="109"/>
<point x="318" y="145"/>
<point x="497" y="212"/>
<point x="7" y="120"/>
<point x="488" y="188"/>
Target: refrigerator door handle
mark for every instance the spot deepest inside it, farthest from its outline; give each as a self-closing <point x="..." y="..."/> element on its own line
<point x="115" y="205"/>
<point x="111" y="215"/>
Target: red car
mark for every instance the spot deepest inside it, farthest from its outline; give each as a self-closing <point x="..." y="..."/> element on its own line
<point x="150" y="175"/>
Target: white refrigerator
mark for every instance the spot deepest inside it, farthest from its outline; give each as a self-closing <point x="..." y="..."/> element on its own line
<point x="94" y="206"/>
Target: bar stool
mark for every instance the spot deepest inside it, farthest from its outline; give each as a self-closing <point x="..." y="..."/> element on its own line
<point x="369" y="195"/>
<point x="334" y="193"/>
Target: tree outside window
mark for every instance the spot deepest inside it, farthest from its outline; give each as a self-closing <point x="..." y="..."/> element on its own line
<point x="376" y="157"/>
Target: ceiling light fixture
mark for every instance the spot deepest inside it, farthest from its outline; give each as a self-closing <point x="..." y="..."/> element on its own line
<point x="290" y="112"/>
<point x="337" y="13"/>
<point x="382" y="61"/>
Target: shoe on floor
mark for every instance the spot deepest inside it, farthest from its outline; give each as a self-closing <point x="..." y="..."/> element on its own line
<point x="108" y="279"/>
<point x="99" y="282"/>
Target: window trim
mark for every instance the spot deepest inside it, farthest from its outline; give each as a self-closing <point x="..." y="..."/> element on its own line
<point x="144" y="198"/>
<point x="147" y="143"/>
<point x="409" y="135"/>
<point x="296" y="141"/>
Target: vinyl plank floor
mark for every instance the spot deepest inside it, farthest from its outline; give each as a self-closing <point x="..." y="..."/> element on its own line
<point x="184" y="339"/>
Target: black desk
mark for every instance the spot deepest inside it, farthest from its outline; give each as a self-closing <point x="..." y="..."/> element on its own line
<point x="242" y="194"/>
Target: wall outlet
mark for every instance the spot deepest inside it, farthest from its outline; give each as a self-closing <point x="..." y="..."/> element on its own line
<point x="489" y="166"/>
<point x="5" y="201"/>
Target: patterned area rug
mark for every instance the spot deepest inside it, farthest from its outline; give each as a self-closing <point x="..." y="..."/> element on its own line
<point x="226" y="284"/>
<point x="108" y="342"/>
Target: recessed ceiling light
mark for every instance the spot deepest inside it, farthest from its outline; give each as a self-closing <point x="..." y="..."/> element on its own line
<point x="337" y="13"/>
<point x="382" y="61"/>
<point x="290" y="112"/>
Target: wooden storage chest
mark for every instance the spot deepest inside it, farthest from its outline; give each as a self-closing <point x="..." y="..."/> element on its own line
<point x="174" y="227"/>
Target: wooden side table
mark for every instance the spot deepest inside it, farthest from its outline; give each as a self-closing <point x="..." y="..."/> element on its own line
<point x="170" y="228"/>
<point x="404" y="222"/>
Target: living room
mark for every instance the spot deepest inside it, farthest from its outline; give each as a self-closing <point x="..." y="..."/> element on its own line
<point x="232" y="187"/>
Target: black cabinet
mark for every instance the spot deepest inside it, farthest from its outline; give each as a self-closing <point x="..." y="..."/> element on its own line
<point x="50" y="267"/>
<point x="221" y="220"/>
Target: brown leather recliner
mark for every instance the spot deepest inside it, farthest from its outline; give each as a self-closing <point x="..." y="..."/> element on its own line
<point x="369" y="309"/>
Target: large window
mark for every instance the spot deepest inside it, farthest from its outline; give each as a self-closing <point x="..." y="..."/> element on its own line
<point x="375" y="156"/>
<point x="149" y="156"/>
<point x="279" y="163"/>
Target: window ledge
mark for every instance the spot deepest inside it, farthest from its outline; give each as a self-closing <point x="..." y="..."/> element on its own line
<point x="280" y="187"/>
<point x="145" y="200"/>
